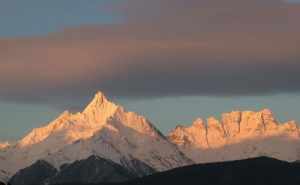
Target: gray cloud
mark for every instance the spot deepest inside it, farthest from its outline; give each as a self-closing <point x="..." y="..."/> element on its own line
<point x="165" y="48"/>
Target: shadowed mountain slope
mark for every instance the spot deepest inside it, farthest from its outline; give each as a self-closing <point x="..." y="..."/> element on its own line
<point x="255" y="171"/>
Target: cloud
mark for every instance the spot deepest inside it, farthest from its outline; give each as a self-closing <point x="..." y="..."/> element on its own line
<point x="165" y="48"/>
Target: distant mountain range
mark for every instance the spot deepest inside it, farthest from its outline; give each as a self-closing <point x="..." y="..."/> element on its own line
<point x="239" y="135"/>
<point x="105" y="143"/>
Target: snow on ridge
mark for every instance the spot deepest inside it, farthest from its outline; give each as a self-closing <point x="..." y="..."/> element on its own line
<point x="104" y="129"/>
<point x="239" y="135"/>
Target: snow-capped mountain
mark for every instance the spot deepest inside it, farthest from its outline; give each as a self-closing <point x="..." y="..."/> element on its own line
<point x="106" y="130"/>
<point x="239" y="135"/>
<point x="124" y="137"/>
<point x="103" y="129"/>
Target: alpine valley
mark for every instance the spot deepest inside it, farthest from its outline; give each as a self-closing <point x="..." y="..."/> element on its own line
<point x="107" y="144"/>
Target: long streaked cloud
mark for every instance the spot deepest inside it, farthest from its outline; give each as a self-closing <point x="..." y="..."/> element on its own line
<point x="165" y="48"/>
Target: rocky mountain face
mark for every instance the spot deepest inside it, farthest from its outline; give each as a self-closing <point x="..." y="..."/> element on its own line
<point x="37" y="174"/>
<point x="4" y="176"/>
<point x="258" y="171"/>
<point x="112" y="143"/>
<point x="91" y="170"/>
<point x="103" y="129"/>
<point x="238" y="135"/>
<point x="254" y="171"/>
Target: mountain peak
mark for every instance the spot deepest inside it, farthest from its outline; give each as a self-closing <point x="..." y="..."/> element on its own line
<point x="267" y="115"/>
<point x="100" y="108"/>
<point x="94" y="115"/>
<point x="100" y="96"/>
<point x="199" y="122"/>
<point x="97" y="101"/>
<point x="266" y="111"/>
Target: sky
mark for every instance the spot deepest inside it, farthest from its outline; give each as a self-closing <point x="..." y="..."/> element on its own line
<point x="169" y="60"/>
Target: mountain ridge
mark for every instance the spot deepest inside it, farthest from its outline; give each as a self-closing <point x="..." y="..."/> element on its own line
<point x="241" y="131"/>
<point x="94" y="169"/>
<point x="107" y="130"/>
<point x="259" y="171"/>
<point x="103" y="129"/>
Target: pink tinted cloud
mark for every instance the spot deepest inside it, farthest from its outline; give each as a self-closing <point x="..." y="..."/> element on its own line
<point x="202" y="48"/>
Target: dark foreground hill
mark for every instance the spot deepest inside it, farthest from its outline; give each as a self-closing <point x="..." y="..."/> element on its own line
<point x="257" y="171"/>
<point x="92" y="170"/>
